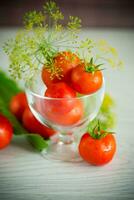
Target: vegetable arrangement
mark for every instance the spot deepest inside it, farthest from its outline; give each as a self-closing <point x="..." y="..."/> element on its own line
<point x="27" y="124"/>
<point x="70" y="68"/>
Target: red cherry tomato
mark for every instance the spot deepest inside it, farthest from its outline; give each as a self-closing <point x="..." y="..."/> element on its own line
<point x="97" y="151"/>
<point x="65" y="61"/>
<point x="86" y="82"/>
<point x="70" y="118"/>
<point x="18" y="104"/>
<point x="34" y="126"/>
<point x="60" y="90"/>
<point x="46" y="77"/>
<point x="6" y="132"/>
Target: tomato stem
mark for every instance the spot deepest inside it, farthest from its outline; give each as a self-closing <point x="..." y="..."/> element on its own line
<point x="98" y="133"/>
<point x="91" y="67"/>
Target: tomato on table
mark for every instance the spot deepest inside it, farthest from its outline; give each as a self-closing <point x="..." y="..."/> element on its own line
<point x="34" y="126"/>
<point x="97" y="149"/>
<point x="18" y="104"/>
<point x="70" y="118"/>
<point x="86" y="79"/>
<point x="64" y="61"/>
<point x="63" y="96"/>
<point x="6" y="131"/>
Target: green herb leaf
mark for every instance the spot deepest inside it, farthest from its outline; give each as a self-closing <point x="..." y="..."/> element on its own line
<point x="38" y="142"/>
<point x="106" y="115"/>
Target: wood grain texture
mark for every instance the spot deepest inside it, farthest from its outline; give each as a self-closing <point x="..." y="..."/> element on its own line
<point x="26" y="175"/>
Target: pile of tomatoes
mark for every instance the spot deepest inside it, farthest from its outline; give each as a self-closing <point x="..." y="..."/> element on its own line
<point x="82" y="77"/>
<point x="19" y="107"/>
<point x="66" y="78"/>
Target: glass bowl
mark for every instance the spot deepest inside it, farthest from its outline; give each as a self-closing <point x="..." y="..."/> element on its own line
<point x="69" y="117"/>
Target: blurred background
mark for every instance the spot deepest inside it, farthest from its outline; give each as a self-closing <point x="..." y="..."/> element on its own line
<point x="94" y="13"/>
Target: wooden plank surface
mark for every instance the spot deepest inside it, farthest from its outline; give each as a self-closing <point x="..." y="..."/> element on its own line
<point x="26" y="175"/>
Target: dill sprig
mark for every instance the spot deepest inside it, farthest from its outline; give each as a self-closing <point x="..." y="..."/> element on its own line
<point x="101" y="51"/>
<point x="40" y="40"/>
<point x="33" y="18"/>
<point x="53" y="11"/>
<point x="44" y="36"/>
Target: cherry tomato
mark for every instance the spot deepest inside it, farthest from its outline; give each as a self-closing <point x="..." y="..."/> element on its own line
<point x="65" y="61"/>
<point x="60" y="90"/>
<point x="86" y="82"/>
<point x="6" y="131"/>
<point x="18" y="104"/>
<point x="46" y="77"/>
<point x="70" y="118"/>
<point x="97" y="151"/>
<point x="34" y="126"/>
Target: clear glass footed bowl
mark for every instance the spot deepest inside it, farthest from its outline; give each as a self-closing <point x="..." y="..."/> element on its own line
<point x="69" y="117"/>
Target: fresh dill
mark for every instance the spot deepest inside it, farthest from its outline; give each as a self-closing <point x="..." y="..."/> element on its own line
<point x="44" y="36"/>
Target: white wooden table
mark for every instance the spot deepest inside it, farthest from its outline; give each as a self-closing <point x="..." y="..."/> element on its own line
<point x="25" y="175"/>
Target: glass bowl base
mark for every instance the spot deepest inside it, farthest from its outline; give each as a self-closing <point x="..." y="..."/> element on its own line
<point x="62" y="152"/>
